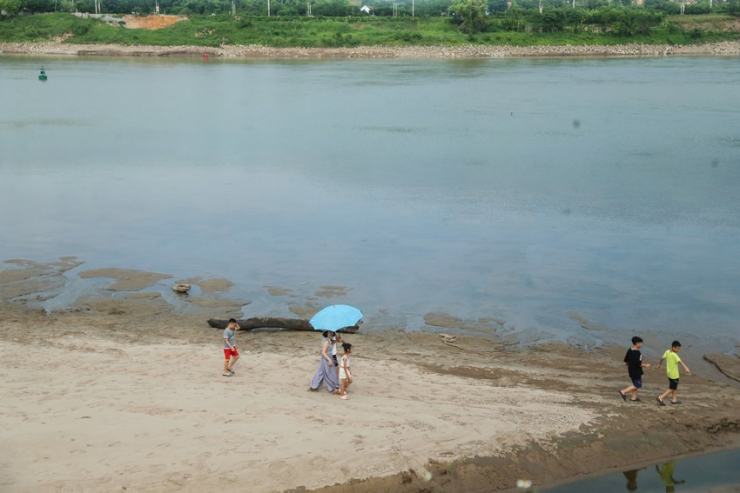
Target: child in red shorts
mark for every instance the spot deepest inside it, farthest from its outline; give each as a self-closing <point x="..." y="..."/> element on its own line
<point x="230" y="352"/>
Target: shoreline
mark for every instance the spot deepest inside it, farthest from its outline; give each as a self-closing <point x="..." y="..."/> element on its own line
<point x="424" y="414"/>
<point x="725" y="48"/>
<point x="447" y="477"/>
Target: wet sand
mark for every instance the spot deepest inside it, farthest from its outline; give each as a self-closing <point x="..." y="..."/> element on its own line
<point x="123" y="390"/>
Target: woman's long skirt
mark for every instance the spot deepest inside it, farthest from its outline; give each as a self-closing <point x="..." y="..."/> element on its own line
<point x="326" y="374"/>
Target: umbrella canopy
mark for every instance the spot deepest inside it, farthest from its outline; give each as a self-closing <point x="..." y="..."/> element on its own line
<point x="336" y="317"/>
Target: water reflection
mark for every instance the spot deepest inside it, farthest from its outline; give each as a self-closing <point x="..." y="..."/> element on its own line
<point x="631" y="477"/>
<point x="711" y="472"/>
<point x="666" y="475"/>
<point x="665" y="472"/>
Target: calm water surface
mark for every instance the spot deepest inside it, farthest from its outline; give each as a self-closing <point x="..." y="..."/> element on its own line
<point x="524" y="190"/>
<point x="709" y="473"/>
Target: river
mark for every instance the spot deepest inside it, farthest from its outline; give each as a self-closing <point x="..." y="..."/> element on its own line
<point x="580" y="200"/>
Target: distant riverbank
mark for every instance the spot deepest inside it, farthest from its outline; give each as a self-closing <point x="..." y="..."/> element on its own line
<point x="725" y="48"/>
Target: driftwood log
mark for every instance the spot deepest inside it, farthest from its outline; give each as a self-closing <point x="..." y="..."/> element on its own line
<point x="273" y="323"/>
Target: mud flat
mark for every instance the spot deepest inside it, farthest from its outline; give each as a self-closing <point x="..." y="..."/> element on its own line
<point x="123" y="389"/>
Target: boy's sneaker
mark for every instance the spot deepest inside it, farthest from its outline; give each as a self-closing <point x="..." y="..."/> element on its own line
<point x="660" y="403"/>
<point x="232" y="372"/>
<point x="227" y="374"/>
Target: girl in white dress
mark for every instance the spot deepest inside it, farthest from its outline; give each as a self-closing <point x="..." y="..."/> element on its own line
<point x="345" y="377"/>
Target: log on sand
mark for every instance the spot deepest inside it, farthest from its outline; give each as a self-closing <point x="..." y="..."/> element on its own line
<point x="273" y="323"/>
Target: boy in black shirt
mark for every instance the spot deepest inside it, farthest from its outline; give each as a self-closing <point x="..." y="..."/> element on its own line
<point x="633" y="358"/>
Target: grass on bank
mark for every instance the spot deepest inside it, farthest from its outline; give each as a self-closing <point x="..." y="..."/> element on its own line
<point x="706" y="19"/>
<point x="339" y="32"/>
<point x="709" y="22"/>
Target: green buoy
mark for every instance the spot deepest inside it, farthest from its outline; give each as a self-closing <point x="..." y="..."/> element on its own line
<point x="42" y="75"/>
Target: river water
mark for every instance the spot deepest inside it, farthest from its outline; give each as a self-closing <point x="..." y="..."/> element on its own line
<point x="713" y="473"/>
<point x="541" y="192"/>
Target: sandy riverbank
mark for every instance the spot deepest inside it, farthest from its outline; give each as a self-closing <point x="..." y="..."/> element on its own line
<point x="123" y="391"/>
<point x="727" y="48"/>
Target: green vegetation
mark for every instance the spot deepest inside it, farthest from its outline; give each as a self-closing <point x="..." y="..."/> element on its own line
<point x="11" y="6"/>
<point x="516" y="26"/>
<point x="712" y="22"/>
<point x="343" y="8"/>
<point x="470" y="14"/>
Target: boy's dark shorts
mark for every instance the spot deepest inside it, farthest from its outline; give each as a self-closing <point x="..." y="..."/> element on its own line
<point x="637" y="382"/>
<point x="334" y="357"/>
<point x="673" y="383"/>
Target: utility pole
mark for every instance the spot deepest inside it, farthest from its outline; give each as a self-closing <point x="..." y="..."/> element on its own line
<point x="268" y="8"/>
<point x="412" y="7"/>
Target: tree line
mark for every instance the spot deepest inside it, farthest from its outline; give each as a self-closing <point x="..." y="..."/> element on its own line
<point x="341" y="8"/>
<point x="618" y="17"/>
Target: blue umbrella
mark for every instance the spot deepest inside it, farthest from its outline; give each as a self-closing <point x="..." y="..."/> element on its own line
<point x="336" y="317"/>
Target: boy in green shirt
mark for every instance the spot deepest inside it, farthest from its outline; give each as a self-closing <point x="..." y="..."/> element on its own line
<point x="671" y="365"/>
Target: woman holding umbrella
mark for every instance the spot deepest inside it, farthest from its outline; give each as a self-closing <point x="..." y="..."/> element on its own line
<point x="326" y="372"/>
<point x="331" y="319"/>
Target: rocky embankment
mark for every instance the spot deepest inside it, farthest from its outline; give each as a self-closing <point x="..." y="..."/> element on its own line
<point x="479" y="51"/>
<point x="725" y="48"/>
